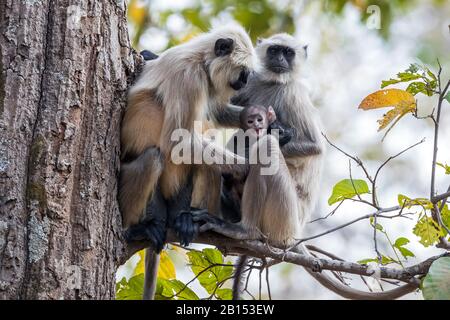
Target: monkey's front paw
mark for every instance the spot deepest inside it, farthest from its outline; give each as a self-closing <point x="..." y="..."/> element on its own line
<point x="153" y="231"/>
<point x="185" y="228"/>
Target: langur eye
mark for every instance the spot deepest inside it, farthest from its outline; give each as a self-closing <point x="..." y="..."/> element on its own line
<point x="260" y="119"/>
<point x="289" y="52"/>
<point x="272" y="50"/>
<point x="250" y="121"/>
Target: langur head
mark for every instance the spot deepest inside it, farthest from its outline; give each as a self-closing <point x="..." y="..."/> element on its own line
<point x="281" y="57"/>
<point x="229" y="60"/>
<point x="257" y="119"/>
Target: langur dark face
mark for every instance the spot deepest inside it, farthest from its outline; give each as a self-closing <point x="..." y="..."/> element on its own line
<point x="224" y="47"/>
<point x="280" y="59"/>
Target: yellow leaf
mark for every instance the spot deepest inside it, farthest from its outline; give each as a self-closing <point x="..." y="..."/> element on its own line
<point x="137" y="12"/>
<point x="140" y="267"/>
<point x="401" y="101"/>
<point x="166" y="268"/>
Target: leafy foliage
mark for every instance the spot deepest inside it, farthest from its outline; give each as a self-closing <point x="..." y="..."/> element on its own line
<point x="436" y="284"/>
<point x="347" y="189"/>
<point x="131" y="289"/>
<point x="445" y="166"/>
<point x="426" y="84"/>
<point x="210" y="270"/>
<point x="428" y="231"/>
<point x="406" y="202"/>
<point x="173" y="289"/>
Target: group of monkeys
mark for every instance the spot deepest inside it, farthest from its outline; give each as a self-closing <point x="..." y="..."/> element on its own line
<point x="219" y="78"/>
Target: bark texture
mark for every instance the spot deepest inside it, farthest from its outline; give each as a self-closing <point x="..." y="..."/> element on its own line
<point x="65" y="66"/>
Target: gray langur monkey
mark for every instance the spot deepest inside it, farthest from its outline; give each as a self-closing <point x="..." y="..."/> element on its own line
<point x="173" y="92"/>
<point x="278" y="206"/>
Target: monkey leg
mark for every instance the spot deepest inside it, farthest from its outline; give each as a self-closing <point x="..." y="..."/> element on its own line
<point x="138" y="180"/>
<point x="153" y="225"/>
<point x="230" y="198"/>
<point x="180" y="217"/>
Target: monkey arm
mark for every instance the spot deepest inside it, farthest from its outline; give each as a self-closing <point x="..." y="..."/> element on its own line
<point x="211" y="223"/>
<point x="226" y="115"/>
<point x="301" y="148"/>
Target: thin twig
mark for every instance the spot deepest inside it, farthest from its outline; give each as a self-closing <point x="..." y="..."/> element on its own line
<point x="367" y="216"/>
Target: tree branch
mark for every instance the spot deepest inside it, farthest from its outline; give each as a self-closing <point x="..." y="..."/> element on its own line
<point x="261" y="250"/>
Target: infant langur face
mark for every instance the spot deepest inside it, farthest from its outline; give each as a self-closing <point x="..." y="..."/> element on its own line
<point x="256" y="119"/>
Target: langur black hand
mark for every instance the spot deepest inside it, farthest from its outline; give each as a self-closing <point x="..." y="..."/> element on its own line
<point x="185" y="228"/>
<point x="153" y="230"/>
<point x="285" y="136"/>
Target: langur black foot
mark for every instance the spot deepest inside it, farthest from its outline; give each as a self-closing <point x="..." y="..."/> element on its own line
<point x="185" y="228"/>
<point x="153" y="230"/>
<point x="206" y="220"/>
<point x="209" y="222"/>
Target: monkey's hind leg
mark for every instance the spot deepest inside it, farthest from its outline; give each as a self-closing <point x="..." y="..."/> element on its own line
<point x="153" y="224"/>
<point x="138" y="180"/>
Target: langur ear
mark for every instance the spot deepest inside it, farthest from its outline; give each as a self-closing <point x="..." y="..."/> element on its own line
<point x="271" y="116"/>
<point x="305" y="49"/>
<point x="223" y="47"/>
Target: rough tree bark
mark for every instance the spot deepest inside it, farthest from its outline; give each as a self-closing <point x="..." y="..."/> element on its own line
<point x="65" y="66"/>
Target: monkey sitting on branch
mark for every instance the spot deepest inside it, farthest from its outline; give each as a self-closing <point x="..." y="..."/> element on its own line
<point x="255" y="122"/>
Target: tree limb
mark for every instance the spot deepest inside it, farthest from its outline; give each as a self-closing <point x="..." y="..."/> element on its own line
<point x="261" y="250"/>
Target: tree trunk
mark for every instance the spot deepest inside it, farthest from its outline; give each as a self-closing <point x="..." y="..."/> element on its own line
<point x="65" y="66"/>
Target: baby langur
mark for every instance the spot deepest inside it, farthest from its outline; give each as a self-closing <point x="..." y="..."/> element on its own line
<point x="255" y="122"/>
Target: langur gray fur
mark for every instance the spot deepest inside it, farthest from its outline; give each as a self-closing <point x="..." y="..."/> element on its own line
<point x="171" y="93"/>
<point x="278" y="206"/>
<point x="280" y="87"/>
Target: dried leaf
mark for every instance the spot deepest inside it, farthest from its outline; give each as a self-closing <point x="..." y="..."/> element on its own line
<point x="401" y="101"/>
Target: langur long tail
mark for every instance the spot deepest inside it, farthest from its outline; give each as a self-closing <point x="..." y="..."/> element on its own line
<point x="239" y="277"/>
<point x="151" y="274"/>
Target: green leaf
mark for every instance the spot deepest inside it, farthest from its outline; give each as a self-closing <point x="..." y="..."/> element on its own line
<point x="387" y="260"/>
<point x="428" y="231"/>
<point x="210" y="276"/>
<point x="400" y="242"/>
<point x="445" y="213"/>
<point x="131" y="289"/>
<point x="174" y="288"/>
<point x="447" y="97"/>
<point x="366" y="261"/>
<point x="427" y="85"/>
<point x="406" y="202"/>
<point x="384" y="260"/>
<point x="399" y="245"/>
<point x="417" y="87"/>
<point x="345" y="189"/>
<point x="445" y="166"/>
<point x="436" y="284"/>
<point x="224" y="294"/>
<point x="405" y="252"/>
